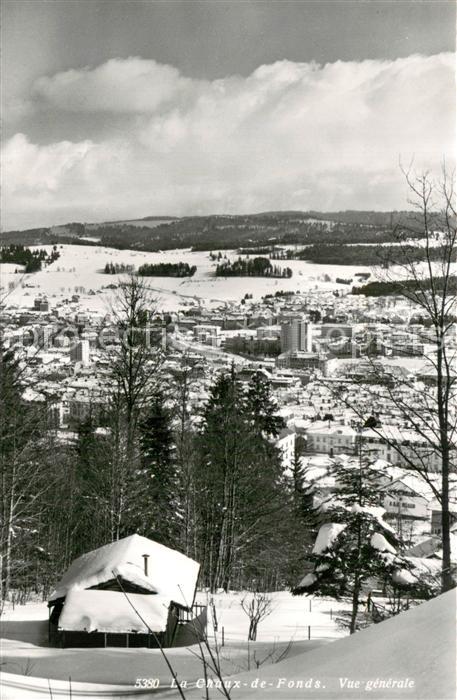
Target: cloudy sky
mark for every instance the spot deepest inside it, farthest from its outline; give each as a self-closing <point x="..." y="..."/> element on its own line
<point x="126" y="108"/>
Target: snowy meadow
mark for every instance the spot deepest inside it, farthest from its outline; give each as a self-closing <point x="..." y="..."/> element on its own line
<point x="79" y="269"/>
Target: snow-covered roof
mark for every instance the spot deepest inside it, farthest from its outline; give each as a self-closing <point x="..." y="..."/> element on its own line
<point x="170" y="573"/>
<point x="317" y="460"/>
<point x="400" y="484"/>
<point x="110" y="611"/>
<point x="412" y="480"/>
<point x="432" y="547"/>
<point x="436" y="506"/>
<point x="425" y="547"/>
<point x="323" y="428"/>
<point x="420" y="567"/>
<point x="30" y="394"/>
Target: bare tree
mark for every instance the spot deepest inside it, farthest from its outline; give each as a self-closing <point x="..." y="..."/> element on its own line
<point x="257" y="607"/>
<point x="135" y="374"/>
<point x="138" y="357"/>
<point x="26" y="452"/>
<point x="419" y="267"/>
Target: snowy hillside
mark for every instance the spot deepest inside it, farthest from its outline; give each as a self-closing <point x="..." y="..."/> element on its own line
<point x="416" y="649"/>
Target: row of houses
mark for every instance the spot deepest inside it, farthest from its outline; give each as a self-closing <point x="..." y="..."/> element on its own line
<point x="409" y="502"/>
<point x="395" y="445"/>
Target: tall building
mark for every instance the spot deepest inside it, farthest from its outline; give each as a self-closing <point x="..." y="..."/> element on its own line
<point x="297" y="335"/>
<point x="80" y="352"/>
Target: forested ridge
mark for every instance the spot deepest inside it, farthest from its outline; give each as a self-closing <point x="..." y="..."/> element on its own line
<point x="220" y="232"/>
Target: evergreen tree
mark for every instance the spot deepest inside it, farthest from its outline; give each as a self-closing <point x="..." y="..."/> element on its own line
<point x="155" y="509"/>
<point x="355" y="544"/>
<point x="221" y="445"/>
<point x="243" y="502"/>
<point x="90" y="502"/>
<point x="303" y="490"/>
<point x="262" y="408"/>
<point x="304" y="517"/>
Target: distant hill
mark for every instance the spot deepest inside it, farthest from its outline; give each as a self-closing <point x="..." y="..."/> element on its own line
<point x="350" y="216"/>
<point x="221" y="231"/>
<point x="370" y="218"/>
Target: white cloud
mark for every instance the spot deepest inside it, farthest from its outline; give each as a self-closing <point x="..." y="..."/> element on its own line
<point x="129" y="85"/>
<point x="290" y="135"/>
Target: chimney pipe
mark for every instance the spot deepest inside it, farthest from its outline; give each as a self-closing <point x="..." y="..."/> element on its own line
<point x="145" y="557"/>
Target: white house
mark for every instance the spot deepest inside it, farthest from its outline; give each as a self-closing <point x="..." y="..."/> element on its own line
<point x="382" y="442"/>
<point x="331" y="438"/>
<point x="286" y="444"/>
<point x="403" y="501"/>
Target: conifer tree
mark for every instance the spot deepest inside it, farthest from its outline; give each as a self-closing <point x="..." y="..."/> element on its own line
<point x="243" y="502"/>
<point x="180" y="387"/>
<point x="90" y="502"/>
<point x="155" y="509"/>
<point x="354" y="544"/>
<point x="262" y="408"/>
<point x="221" y="446"/>
<point x="303" y="498"/>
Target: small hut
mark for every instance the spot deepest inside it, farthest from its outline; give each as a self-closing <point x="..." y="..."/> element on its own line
<point x="132" y="593"/>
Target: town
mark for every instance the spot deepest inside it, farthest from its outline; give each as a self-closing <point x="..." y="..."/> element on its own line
<point x="325" y="352"/>
<point x="228" y="350"/>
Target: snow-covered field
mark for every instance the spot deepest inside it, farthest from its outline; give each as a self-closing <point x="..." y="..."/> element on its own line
<point x="409" y="656"/>
<point x="81" y="266"/>
<point x="11" y="275"/>
<point x="25" y="650"/>
<point x="79" y="270"/>
<point x="289" y="620"/>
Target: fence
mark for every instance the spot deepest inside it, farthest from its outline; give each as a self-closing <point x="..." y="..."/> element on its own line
<point x="189" y="615"/>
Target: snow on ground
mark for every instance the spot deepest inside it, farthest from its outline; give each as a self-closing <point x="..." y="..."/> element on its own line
<point x="11" y="275"/>
<point x="81" y="266"/>
<point x="25" y="650"/>
<point x="414" y="652"/>
<point x="409" y="656"/>
<point x="289" y="619"/>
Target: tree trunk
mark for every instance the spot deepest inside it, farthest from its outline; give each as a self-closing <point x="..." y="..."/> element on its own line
<point x="442" y="405"/>
<point x="447" y="581"/>
<point x="355" y="606"/>
<point x="356" y="589"/>
<point x="9" y="538"/>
